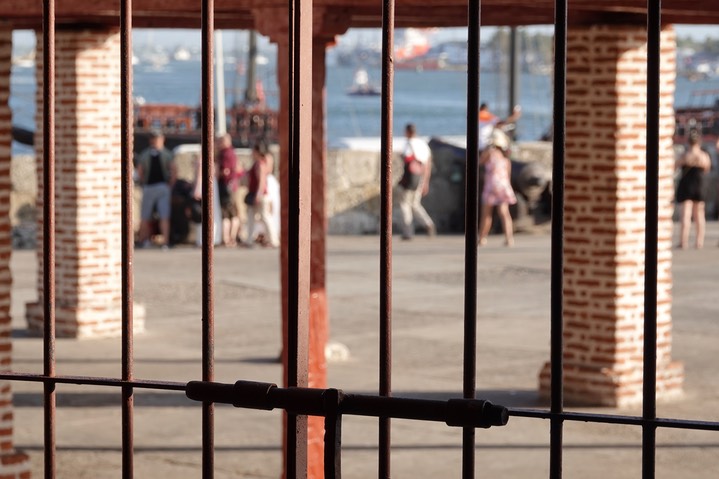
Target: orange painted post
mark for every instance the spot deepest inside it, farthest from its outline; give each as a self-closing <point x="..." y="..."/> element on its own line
<point x="318" y="327"/>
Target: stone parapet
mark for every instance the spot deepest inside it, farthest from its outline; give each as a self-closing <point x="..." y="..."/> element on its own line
<point x="352" y="187"/>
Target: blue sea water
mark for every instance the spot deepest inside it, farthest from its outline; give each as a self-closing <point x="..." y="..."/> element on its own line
<point x="433" y="100"/>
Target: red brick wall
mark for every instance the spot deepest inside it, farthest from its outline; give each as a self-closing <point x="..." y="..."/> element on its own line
<point x="605" y="212"/>
<point x="87" y="200"/>
<point x="12" y="464"/>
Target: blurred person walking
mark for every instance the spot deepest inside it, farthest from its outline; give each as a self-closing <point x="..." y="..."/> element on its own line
<point x="414" y="184"/>
<point x="257" y="200"/>
<point x="693" y="165"/>
<point x="156" y="172"/>
<point x="497" y="190"/>
<point x="228" y="175"/>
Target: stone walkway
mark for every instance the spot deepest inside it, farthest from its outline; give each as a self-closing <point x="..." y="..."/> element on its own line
<point x="513" y="343"/>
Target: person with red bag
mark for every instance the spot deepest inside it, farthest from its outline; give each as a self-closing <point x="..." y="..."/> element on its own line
<point x="414" y="184"/>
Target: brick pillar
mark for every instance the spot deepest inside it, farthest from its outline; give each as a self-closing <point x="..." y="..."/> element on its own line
<point x="13" y="464"/>
<point x="87" y="201"/>
<point x="604" y="218"/>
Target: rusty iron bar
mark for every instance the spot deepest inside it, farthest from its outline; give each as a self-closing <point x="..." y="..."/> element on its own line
<point x="208" y="240"/>
<point x="385" y="279"/>
<point x="333" y="433"/>
<point x="315" y="402"/>
<point x="513" y="412"/>
<point x="469" y="386"/>
<point x="649" y="392"/>
<point x="127" y="235"/>
<point x="557" y="247"/>
<point x="299" y="213"/>
<point x="48" y="252"/>
<point x="292" y="422"/>
<point x="94" y="381"/>
<point x="666" y="423"/>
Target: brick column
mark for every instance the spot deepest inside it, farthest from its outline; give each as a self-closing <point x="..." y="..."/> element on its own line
<point x="87" y="200"/>
<point x="604" y="218"/>
<point x="13" y="464"/>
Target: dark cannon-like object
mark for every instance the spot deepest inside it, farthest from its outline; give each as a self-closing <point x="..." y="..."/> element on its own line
<point x="531" y="180"/>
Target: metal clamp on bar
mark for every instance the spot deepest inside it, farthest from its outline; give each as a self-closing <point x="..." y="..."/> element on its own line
<point x="475" y="413"/>
<point x="332" y="402"/>
<point x="247" y="394"/>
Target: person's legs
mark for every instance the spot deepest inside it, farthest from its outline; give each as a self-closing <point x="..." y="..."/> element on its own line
<point x="147" y="205"/>
<point x="686" y="209"/>
<point x="485" y="223"/>
<point x="266" y="217"/>
<point x="421" y="214"/>
<point x="241" y="216"/>
<point x="226" y="238"/>
<point x="164" y="200"/>
<point x="405" y="206"/>
<point x="143" y="234"/>
<point x="506" y="219"/>
<point x="234" y="229"/>
<point x="165" y="231"/>
<point x="699" y="222"/>
<point x="251" y="212"/>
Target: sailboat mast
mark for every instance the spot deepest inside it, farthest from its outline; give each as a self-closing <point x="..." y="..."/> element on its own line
<point x="221" y="127"/>
<point x="513" y="98"/>
<point x="251" y="91"/>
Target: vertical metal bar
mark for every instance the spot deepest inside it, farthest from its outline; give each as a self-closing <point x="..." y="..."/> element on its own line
<point x="48" y="253"/>
<point x="299" y="211"/>
<point x="291" y="439"/>
<point x="208" y="237"/>
<point x="126" y="146"/>
<point x="649" y="407"/>
<point x="471" y="229"/>
<point x="333" y="447"/>
<point x="385" y="280"/>
<point x="333" y="435"/>
<point x="557" y="282"/>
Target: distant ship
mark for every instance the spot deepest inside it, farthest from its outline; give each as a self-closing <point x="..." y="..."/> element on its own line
<point x="450" y="55"/>
<point x="362" y="86"/>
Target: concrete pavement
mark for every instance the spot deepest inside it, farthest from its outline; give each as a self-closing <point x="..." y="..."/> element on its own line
<point x="513" y="343"/>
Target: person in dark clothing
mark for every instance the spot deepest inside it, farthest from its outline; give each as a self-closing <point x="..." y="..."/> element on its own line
<point x="694" y="163"/>
<point x="156" y="172"/>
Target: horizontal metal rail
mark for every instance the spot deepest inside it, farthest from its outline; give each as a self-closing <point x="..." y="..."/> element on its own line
<point x="616" y="419"/>
<point x="326" y="402"/>
<point x="279" y="397"/>
<point x="94" y="381"/>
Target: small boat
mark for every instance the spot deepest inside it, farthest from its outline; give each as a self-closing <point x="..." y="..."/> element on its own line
<point x="362" y="85"/>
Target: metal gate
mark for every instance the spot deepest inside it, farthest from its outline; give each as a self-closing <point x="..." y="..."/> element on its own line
<point x="298" y="400"/>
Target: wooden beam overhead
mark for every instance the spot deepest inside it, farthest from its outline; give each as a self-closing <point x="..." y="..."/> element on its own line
<point x="238" y="14"/>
